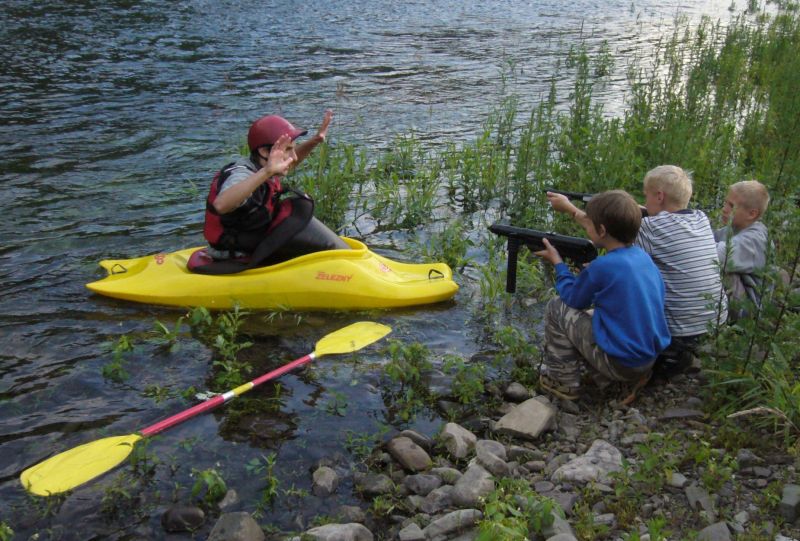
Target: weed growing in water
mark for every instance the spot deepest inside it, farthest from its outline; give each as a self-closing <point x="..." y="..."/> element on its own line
<point x="115" y="370"/>
<point x="209" y="485"/>
<point x="263" y="466"/>
<point x="468" y="378"/>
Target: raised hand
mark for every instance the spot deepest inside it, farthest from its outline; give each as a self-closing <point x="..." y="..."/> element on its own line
<point x="281" y="156"/>
<point x="561" y="203"/>
<point x="322" y="132"/>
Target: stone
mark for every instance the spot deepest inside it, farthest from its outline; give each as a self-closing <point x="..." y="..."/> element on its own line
<point x="517" y="392"/>
<point x="681" y="413"/>
<point x="699" y="497"/>
<point x="447" y="475"/>
<point x="595" y="465"/>
<point x="230" y="500"/>
<point x="182" y="518"/>
<point x="568" y="425"/>
<point x="350" y="513"/>
<point x="746" y="458"/>
<point x="410" y="455"/>
<point x="420" y="439"/>
<point x="492" y="456"/>
<point x="422" y="484"/>
<point x="412" y="532"/>
<point x="453" y="522"/>
<point x="677" y="480"/>
<point x="475" y="483"/>
<point x="324" y="482"/>
<point x="340" y="532"/>
<point x="559" y="527"/>
<point x="790" y="502"/>
<point x="458" y="441"/>
<point x="563" y="537"/>
<point x="528" y="420"/>
<point x="236" y="527"/>
<point x="373" y="484"/>
<point x="716" y="532"/>
<point x="437" y="500"/>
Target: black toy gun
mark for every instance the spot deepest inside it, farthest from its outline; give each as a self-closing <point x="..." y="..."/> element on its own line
<point x="573" y="196"/>
<point x="578" y="250"/>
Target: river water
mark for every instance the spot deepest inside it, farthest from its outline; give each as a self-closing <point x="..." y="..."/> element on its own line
<point x="115" y="116"/>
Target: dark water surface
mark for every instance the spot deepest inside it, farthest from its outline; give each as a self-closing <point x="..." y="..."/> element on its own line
<point x="115" y="116"/>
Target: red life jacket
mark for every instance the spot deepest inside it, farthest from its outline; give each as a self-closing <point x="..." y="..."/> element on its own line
<point x="243" y="228"/>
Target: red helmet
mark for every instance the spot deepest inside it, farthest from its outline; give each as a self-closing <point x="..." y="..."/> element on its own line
<point x="267" y="129"/>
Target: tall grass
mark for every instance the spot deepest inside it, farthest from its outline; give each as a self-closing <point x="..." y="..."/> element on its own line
<point x="719" y="100"/>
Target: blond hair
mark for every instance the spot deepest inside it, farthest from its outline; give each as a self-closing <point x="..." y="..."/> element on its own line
<point x="673" y="181"/>
<point x="754" y="195"/>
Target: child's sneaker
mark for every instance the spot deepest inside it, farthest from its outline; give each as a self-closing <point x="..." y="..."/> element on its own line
<point x="555" y="388"/>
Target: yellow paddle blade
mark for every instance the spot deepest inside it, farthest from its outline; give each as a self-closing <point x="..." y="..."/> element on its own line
<point x="351" y="338"/>
<point x="72" y="468"/>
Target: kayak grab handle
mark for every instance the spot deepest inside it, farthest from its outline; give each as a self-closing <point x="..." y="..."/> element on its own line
<point x="117" y="269"/>
<point x="435" y="274"/>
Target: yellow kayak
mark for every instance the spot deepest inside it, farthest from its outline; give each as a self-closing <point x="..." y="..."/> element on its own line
<point x="334" y="279"/>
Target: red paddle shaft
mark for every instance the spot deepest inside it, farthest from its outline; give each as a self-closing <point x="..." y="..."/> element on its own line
<point x="211" y="403"/>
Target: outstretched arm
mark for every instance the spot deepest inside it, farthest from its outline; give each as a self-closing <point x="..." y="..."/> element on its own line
<point x="304" y="149"/>
<point x="561" y="203"/>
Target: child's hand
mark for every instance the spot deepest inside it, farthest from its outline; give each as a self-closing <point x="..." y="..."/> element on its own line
<point x="322" y="132"/>
<point x="561" y="203"/>
<point x="549" y="253"/>
<point x="280" y="160"/>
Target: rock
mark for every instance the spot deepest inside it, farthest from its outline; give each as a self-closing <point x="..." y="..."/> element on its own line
<point x="422" y="484"/>
<point x="475" y="483"/>
<point x="420" y="439"/>
<point x="492" y="456"/>
<point x="528" y="420"/>
<point x="325" y="481"/>
<point x="597" y="464"/>
<point x="437" y="500"/>
<point x="677" y="480"/>
<point x="340" y="532"/>
<point x="517" y="392"/>
<point x="452" y="523"/>
<point x="563" y="537"/>
<point x="746" y="458"/>
<point x="229" y="501"/>
<point x="559" y="527"/>
<point x="350" y="513"/>
<point x="699" y="497"/>
<point x="790" y="502"/>
<point x="412" y="532"/>
<point x="568" y="425"/>
<point x="681" y="413"/>
<point x="447" y="475"/>
<point x="410" y="455"/>
<point x="182" y="518"/>
<point x="236" y="527"/>
<point x="373" y="484"/>
<point x="458" y="441"/>
<point x="716" y="532"/>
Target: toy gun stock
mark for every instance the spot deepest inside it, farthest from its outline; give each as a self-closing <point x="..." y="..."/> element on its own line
<point x="572" y="196"/>
<point x="576" y="249"/>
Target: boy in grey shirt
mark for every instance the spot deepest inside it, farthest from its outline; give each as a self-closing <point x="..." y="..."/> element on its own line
<point x="742" y="243"/>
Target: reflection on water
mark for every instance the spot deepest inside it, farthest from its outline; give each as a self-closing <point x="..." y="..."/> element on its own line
<point x="114" y="118"/>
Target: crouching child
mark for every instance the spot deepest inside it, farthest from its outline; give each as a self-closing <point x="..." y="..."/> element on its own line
<point x="610" y="317"/>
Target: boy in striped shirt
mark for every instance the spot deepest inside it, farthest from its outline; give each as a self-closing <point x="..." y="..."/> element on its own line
<point x="681" y="242"/>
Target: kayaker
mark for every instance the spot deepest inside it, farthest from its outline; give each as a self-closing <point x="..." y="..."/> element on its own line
<point x="247" y="213"/>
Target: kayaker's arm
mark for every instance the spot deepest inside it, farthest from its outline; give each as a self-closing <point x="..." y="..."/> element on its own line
<point x="281" y="157"/>
<point x="304" y="149"/>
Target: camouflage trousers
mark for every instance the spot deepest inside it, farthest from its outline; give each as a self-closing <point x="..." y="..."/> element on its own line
<point x="570" y="348"/>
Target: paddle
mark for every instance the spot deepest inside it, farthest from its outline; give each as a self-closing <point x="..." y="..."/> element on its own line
<point x="72" y="468"/>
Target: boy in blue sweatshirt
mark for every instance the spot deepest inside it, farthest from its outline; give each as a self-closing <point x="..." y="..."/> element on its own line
<point x="611" y="315"/>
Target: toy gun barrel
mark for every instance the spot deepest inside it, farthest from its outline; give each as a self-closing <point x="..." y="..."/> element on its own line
<point x="573" y="248"/>
<point x="572" y="196"/>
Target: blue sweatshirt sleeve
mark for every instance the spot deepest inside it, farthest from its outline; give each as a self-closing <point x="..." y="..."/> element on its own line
<point x="576" y="291"/>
